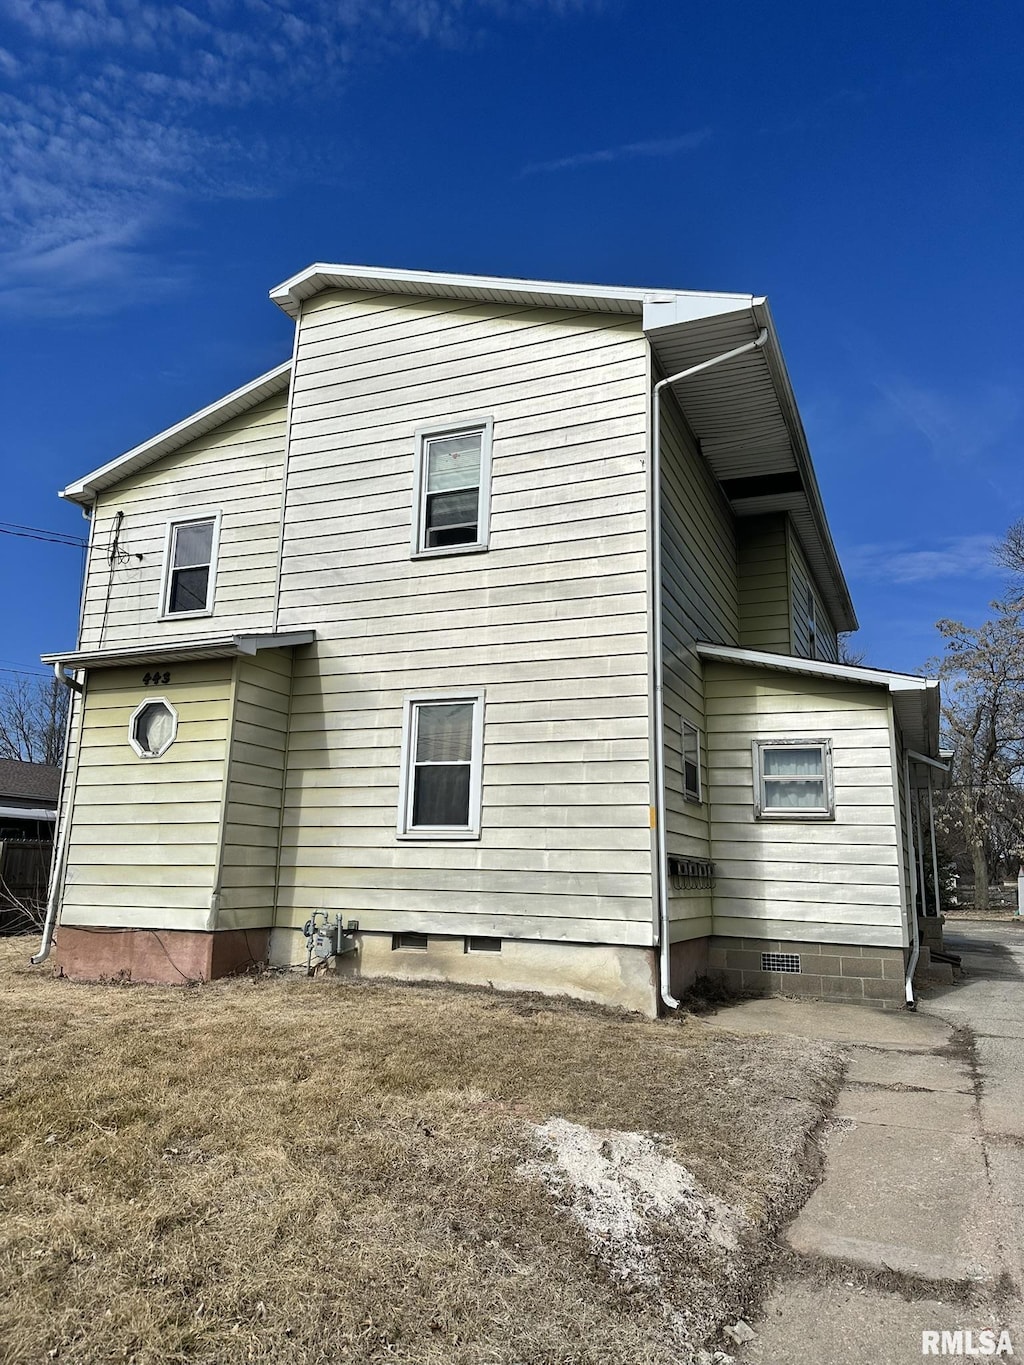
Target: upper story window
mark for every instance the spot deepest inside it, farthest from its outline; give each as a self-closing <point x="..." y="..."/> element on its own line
<point x="691" y="762"/>
<point x="812" y="626"/>
<point x="442" y="760"/>
<point x="793" y="779"/>
<point x="452" y="491"/>
<point x="190" y="566"/>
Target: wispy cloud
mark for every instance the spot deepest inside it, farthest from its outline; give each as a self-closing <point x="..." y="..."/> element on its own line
<point x="666" y="146"/>
<point x="953" y="557"/>
<point x="121" y="115"/>
<point x="957" y="428"/>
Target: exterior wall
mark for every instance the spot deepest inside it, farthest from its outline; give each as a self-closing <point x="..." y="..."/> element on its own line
<point x="850" y="972"/>
<point x="144" y="838"/>
<point x="252" y="816"/>
<point x="826" y="643"/>
<point x="604" y="973"/>
<point x="820" y="881"/>
<point x="765" y="603"/>
<point x="238" y="469"/>
<point x="551" y="621"/>
<point x="171" y="957"/>
<point x="700" y="599"/>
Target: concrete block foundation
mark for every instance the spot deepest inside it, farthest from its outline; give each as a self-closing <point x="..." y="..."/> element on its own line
<point x="851" y="973"/>
<point x="172" y="957"/>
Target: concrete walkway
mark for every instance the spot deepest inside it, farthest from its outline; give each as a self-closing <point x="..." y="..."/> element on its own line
<point x="918" y="1223"/>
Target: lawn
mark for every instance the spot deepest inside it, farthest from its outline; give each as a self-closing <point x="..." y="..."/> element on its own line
<point x="279" y="1169"/>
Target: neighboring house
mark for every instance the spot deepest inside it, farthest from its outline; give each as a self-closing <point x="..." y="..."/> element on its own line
<point x="28" y="812"/>
<point x="457" y="627"/>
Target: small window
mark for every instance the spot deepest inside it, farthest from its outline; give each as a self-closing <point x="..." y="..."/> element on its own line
<point x="794" y="779"/>
<point x="152" y="728"/>
<point x="189" y="573"/>
<point x="418" y="942"/>
<point x="452" y="489"/>
<point x="442" y="751"/>
<point x="812" y="626"/>
<point x="477" y="943"/>
<point x="691" y="762"/>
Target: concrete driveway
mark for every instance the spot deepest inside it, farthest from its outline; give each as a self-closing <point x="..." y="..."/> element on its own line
<point x="918" y="1223"/>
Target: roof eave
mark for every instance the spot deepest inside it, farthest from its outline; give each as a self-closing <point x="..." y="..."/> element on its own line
<point x="212" y="647"/>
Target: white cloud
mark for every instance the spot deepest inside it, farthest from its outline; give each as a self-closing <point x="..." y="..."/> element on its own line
<point x="955" y="557"/>
<point x="121" y="113"/>
<point x="667" y="146"/>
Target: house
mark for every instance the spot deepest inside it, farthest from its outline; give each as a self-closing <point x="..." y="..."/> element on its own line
<point x="500" y="622"/>
<point x="28" y="812"/>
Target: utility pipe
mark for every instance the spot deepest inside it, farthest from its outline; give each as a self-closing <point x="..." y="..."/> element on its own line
<point x="915" y="951"/>
<point x="661" y="879"/>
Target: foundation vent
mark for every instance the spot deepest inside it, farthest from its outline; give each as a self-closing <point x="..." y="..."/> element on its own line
<point x="780" y="962"/>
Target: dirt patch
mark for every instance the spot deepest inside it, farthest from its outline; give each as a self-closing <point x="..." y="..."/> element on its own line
<point x="300" y="1172"/>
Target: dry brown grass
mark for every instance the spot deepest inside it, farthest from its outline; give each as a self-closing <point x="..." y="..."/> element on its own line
<point x="278" y="1169"/>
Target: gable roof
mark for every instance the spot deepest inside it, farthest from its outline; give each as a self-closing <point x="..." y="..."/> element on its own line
<point x="233" y="404"/>
<point x="29" y="781"/>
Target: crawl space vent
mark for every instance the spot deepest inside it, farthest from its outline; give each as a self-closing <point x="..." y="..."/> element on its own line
<point x="780" y="962"/>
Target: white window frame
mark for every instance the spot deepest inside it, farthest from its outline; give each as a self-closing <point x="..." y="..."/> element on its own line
<point x="189" y="519"/>
<point x="406" y="829"/>
<point x="695" y="796"/>
<point x="152" y="701"/>
<point x="423" y="435"/>
<point x="764" y="812"/>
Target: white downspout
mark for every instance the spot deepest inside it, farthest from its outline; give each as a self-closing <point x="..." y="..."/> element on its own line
<point x="63" y="835"/>
<point x="661" y="878"/>
<point x="915" y="951"/>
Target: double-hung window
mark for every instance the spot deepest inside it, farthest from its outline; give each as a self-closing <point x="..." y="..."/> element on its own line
<point x="442" y="760"/>
<point x="793" y="779"/>
<point x="190" y="566"/>
<point x="452" y="489"/>
<point x="691" y="762"/>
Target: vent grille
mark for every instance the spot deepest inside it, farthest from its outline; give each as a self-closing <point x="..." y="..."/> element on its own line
<point x="780" y="962"/>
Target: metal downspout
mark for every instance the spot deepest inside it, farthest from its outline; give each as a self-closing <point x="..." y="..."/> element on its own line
<point x="64" y="833"/>
<point x="661" y="878"/>
<point x="911" y="859"/>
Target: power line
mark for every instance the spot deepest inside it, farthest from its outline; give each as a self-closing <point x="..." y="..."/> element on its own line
<point x="13" y="528"/>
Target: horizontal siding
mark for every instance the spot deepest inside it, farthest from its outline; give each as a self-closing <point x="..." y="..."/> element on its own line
<point x="700" y="602"/>
<point x="834" y="881"/>
<point x="826" y="642"/>
<point x="259" y="736"/>
<point x="238" y="469"/>
<point x="764" y="584"/>
<point x="145" y="831"/>
<point x="550" y="621"/>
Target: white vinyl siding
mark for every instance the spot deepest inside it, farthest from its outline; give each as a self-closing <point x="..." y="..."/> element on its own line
<point x="822" y="642"/>
<point x="699" y="586"/>
<point x="237" y="468"/>
<point x="551" y="622"/>
<point x="833" y="881"/>
<point x="764" y="583"/>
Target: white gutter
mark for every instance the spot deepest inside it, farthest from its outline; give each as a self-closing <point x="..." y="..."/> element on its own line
<point x="911" y="859"/>
<point x="661" y="878"/>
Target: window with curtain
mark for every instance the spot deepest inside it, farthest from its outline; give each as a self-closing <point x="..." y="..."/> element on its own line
<point x="691" y="761"/>
<point x="442" y="754"/>
<point x="190" y="567"/>
<point x="452" y="490"/>
<point x="794" y="778"/>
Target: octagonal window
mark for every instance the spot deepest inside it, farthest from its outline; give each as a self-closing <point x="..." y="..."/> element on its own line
<point x="153" y="726"/>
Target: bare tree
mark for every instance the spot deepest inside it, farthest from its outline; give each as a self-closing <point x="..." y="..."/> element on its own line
<point x="33" y="719"/>
<point x="1010" y="550"/>
<point x="848" y="655"/>
<point x="983" y="717"/>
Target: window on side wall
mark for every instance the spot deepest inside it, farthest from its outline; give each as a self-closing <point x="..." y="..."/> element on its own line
<point x="452" y="489"/>
<point x="793" y="779"/>
<point x="691" y="762"/>
<point x="812" y="626"/>
<point x="190" y="566"/>
<point x="442" y="762"/>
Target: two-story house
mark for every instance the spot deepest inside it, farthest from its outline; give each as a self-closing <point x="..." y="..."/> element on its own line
<point x="501" y="621"/>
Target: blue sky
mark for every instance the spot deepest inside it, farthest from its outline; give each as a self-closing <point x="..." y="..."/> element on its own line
<point x="164" y="165"/>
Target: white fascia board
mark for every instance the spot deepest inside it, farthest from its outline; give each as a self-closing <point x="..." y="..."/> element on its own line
<point x="84" y="491"/>
<point x="212" y="647"/>
<point x="322" y="275"/>
<point x="816" y="668"/>
<point x="669" y="310"/>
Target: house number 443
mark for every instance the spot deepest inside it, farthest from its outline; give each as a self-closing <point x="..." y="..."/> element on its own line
<point x="152" y="679"/>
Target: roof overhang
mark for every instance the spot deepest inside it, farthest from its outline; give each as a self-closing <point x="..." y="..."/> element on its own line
<point x="275" y="381"/>
<point x="744" y="417"/>
<point x="174" y="651"/>
<point x="8" y="812"/>
<point x="916" y="701"/>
